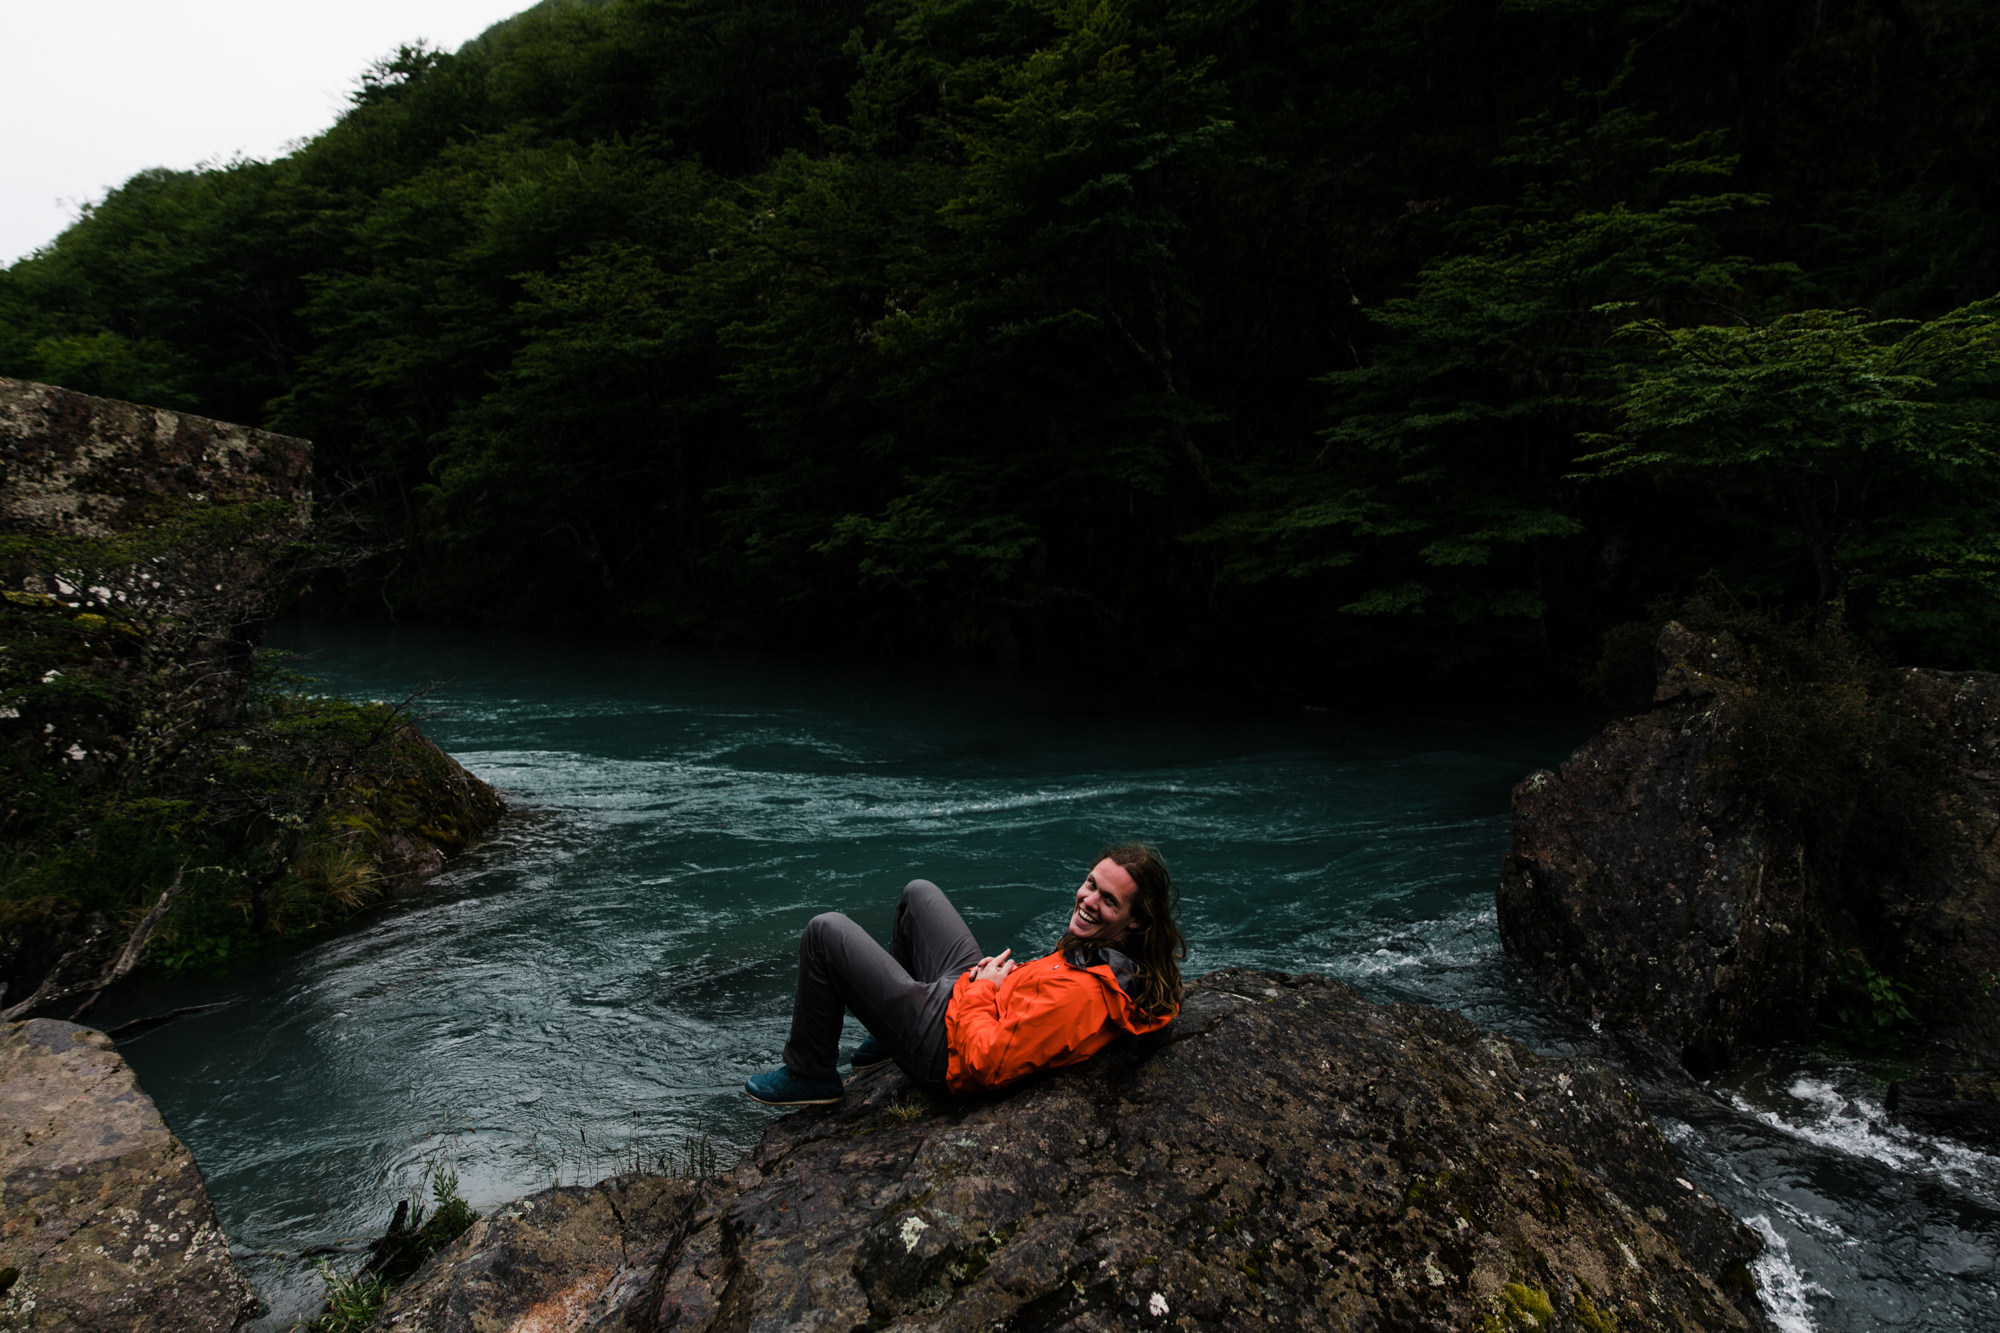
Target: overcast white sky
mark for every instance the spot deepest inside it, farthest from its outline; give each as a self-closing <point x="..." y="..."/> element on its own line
<point x="92" y="91"/>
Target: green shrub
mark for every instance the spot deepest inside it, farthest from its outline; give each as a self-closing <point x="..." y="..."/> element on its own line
<point x="351" y="1302"/>
<point x="278" y="820"/>
<point x="1870" y="1008"/>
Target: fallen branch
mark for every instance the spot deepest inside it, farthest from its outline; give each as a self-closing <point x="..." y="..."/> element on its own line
<point x="135" y="943"/>
<point x="52" y="988"/>
<point x="134" y="1027"/>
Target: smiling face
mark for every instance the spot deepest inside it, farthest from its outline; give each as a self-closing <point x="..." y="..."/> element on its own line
<point x="1103" y="911"/>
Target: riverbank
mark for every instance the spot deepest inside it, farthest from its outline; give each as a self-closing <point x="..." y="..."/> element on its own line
<point x="173" y="796"/>
<point x="1285" y="1153"/>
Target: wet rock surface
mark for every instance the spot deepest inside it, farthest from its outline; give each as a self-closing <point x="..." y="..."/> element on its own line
<point x="1285" y="1154"/>
<point x="104" y="1224"/>
<point x="1647" y="895"/>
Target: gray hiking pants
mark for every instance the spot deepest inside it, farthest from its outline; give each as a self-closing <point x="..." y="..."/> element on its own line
<point x="900" y="993"/>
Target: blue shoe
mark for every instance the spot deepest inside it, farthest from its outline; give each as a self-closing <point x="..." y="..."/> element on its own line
<point x="781" y="1087"/>
<point x="869" y="1052"/>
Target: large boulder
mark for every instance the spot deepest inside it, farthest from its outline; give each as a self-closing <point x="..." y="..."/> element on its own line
<point x="1285" y="1154"/>
<point x="1964" y="1104"/>
<point x="1649" y="891"/>
<point x="104" y="1224"/>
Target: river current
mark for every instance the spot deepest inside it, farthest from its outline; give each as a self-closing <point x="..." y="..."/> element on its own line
<point x="588" y="989"/>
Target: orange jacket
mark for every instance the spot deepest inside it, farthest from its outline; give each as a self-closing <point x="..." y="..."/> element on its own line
<point x="1042" y="1015"/>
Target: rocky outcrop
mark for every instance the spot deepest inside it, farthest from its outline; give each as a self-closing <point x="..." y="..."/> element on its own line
<point x="142" y="553"/>
<point x="415" y="808"/>
<point x="1647" y="892"/>
<point x="161" y="539"/>
<point x="104" y="1224"/>
<point x="1286" y="1154"/>
<point x="84" y="466"/>
<point x="399" y="816"/>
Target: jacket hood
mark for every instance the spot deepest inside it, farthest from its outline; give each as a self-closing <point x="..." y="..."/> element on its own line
<point x="1117" y="971"/>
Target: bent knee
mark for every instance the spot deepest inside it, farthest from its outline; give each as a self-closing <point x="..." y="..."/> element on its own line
<point x="919" y="888"/>
<point x="827" y="923"/>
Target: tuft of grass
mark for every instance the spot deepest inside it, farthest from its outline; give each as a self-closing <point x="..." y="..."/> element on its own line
<point x="337" y="870"/>
<point x="351" y="1302"/>
<point x="694" y="1157"/>
<point x="911" y="1107"/>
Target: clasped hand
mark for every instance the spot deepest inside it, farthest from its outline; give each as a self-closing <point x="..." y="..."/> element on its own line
<point x="994" y="968"/>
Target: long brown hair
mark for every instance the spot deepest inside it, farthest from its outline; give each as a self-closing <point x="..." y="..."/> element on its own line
<point x="1153" y="941"/>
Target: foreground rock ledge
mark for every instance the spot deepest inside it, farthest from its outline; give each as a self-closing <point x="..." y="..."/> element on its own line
<point x="104" y="1223"/>
<point x="1286" y="1154"/>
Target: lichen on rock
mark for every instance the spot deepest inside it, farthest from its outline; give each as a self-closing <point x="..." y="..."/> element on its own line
<point x="1286" y="1154"/>
<point x="104" y="1222"/>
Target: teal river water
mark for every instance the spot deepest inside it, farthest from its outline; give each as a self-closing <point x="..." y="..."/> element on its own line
<point x="592" y="985"/>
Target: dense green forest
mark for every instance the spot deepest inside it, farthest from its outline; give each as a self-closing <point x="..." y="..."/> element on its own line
<point x="1321" y="343"/>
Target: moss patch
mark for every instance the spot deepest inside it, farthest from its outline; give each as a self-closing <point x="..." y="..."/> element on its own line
<point x="302" y="814"/>
<point x="1520" y="1307"/>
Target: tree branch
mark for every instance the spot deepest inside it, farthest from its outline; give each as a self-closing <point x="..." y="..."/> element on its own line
<point x="135" y="943"/>
<point x="52" y="988"/>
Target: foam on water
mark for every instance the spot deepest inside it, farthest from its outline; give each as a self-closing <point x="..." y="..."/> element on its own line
<point x="1831" y="1112"/>
<point x="1868" y="1227"/>
<point x="1785" y="1292"/>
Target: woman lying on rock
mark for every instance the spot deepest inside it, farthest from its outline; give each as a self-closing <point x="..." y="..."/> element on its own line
<point x="953" y="1017"/>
